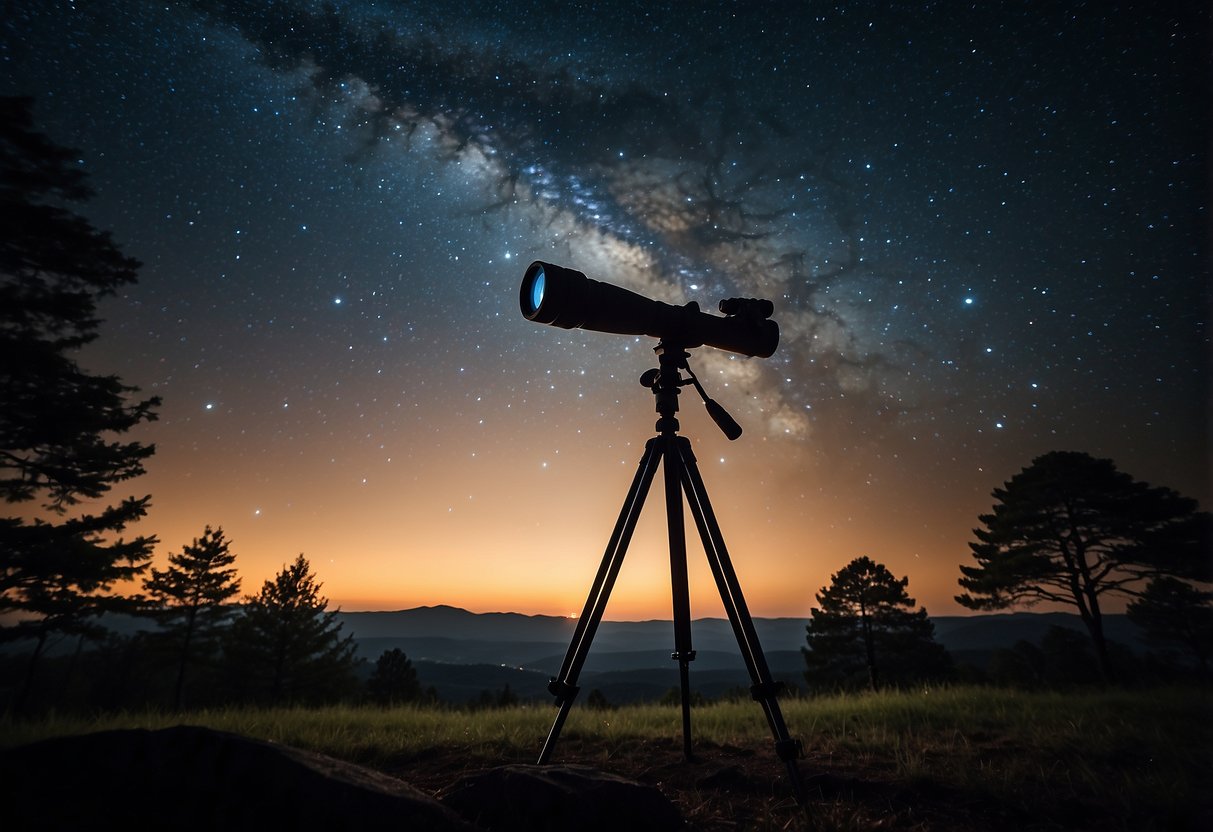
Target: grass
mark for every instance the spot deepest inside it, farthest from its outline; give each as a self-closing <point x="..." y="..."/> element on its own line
<point x="1137" y="756"/>
<point x="963" y="757"/>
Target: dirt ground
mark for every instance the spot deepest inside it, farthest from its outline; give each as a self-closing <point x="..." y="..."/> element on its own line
<point x="730" y="788"/>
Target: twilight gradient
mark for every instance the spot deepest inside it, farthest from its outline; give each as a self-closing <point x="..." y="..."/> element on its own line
<point x="985" y="230"/>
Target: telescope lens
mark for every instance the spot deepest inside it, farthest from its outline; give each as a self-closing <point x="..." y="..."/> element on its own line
<point x="537" y="290"/>
<point x="534" y="287"/>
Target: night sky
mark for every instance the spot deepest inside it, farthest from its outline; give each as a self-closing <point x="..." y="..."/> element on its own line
<point x="985" y="230"/>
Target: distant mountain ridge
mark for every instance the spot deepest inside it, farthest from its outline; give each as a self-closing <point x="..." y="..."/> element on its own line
<point x="464" y="655"/>
<point x="446" y="633"/>
<point x="445" y="621"/>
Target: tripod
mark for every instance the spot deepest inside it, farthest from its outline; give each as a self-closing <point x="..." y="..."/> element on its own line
<point x="681" y="476"/>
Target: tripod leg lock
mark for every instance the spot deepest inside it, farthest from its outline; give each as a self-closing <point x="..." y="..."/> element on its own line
<point x="767" y="690"/>
<point x="562" y="690"/>
<point x="688" y="656"/>
<point x="789" y="750"/>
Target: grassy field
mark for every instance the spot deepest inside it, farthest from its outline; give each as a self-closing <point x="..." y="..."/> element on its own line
<point x="951" y="758"/>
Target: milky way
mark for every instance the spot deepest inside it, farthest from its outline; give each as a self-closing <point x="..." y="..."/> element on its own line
<point x="695" y="193"/>
<point x="985" y="231"/>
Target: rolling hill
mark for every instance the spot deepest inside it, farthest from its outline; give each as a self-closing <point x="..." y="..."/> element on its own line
<point x="461" y="653"/>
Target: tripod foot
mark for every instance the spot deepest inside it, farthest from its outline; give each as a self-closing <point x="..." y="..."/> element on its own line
<point x="791" y="750"/>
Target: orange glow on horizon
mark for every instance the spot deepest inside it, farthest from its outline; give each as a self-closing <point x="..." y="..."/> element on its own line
<point x="502" y="531"/>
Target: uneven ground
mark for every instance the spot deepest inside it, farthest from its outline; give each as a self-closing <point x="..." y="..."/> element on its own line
<point x="735" y="788"/>
<point x="947" y="760"/>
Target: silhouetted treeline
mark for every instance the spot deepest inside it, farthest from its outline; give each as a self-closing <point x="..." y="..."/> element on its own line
<point x="141" y="671"/>
<point x="281" y="646"/>
<point x="1064" y="658"/>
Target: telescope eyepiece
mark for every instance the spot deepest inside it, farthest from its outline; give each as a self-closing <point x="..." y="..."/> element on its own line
<point x="750" y="307"/>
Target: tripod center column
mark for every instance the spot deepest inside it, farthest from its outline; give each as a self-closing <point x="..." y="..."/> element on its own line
<point x="666" y="386"/>
<point x="666" y="390"/>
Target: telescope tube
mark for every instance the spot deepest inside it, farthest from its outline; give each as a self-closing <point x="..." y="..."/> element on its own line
<point x="566" y="298"/>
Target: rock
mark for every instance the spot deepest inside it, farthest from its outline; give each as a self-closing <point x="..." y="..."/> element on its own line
<point x="188" y="778"/>
<point x="560" y="799"/>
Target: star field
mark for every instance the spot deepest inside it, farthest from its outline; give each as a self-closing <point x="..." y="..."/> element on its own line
<point x="984" y="227"/>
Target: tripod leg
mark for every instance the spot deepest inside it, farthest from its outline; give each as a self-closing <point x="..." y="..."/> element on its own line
<point x="763" y="688"/>
<point x="564" y="686"/>
<point x="683" y="653"/>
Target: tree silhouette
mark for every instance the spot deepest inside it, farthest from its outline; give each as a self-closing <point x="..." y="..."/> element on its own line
<point x="394" y="679"/>
<point x="507" y="698"/>
<point x="866" y="630"/>
<point x="597" y="701"/>
<point x="58" y="422"/>
<point x="1071" y="528"/>
<point x="191" y="596"/>
<point x="1063" y="658"/>
<point x="1022" y="665"/>
<point x="285" y="646"/>
<point x="1177" y="618"/>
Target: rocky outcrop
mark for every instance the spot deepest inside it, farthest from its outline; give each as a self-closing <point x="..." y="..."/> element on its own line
<point x="189" y="778"/>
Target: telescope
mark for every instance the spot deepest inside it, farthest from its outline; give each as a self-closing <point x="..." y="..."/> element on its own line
<point x="566" y="298"/>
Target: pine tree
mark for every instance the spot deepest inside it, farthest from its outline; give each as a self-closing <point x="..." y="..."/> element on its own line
<point x="191" y="597"/>
<point x="285" y="646"/>
<point x="866" y="631"/>
<point x="394" y="679"/>
<point x="59" y="564"/>
<point x="1072" y="529"/>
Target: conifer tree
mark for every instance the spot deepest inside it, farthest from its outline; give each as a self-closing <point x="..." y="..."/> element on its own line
<point x="191" y="598"/>
<point x="394" y="679"/>
<point x="866" y="631"/>
<point x="1072" y="529"/>
<point x="285" y="646"/>
<point x="58" y="423"/>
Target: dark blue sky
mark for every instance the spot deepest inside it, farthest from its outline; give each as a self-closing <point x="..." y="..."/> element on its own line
<point x="984" y="227"/>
